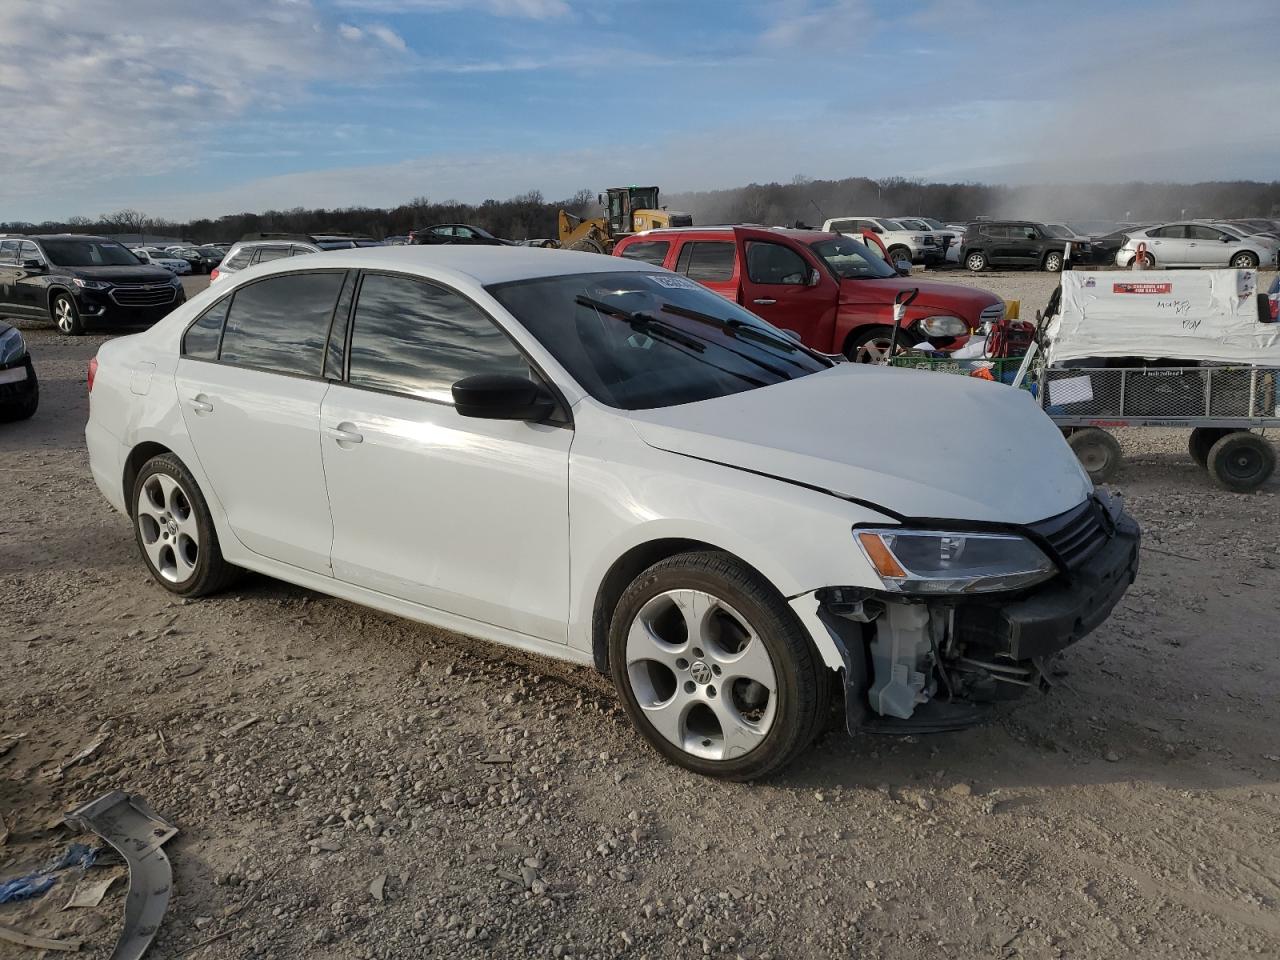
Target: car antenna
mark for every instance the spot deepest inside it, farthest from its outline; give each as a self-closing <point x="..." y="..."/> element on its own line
<point x="819" y="209"/>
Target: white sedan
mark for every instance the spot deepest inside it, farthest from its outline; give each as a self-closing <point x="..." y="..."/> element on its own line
<point x="601" y="461"/>
<point x="162" y="258"/>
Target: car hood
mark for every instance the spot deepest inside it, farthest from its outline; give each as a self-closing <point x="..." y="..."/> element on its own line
<point x="915" y="443"/>
<point x="952" y="296"/>
<point x="139" y="274"/>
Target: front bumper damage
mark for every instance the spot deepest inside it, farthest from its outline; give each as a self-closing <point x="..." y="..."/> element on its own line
<point x="920" y="665"/>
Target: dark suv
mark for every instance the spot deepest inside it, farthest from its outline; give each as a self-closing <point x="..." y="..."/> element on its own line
<point x="1017" y="243"/>
<point x="74" y="280"/>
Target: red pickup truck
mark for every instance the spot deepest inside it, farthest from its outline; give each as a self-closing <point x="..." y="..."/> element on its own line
<point x="831" y="290"/>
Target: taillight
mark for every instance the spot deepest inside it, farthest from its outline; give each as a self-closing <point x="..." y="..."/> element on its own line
<point x="213" y="274"/>
<point x="93" y="372"/>
<point x="1275" y="307"/>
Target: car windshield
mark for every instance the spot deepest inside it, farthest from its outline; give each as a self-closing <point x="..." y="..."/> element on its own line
<point x="637" y="341"/>
<point x="850" y="260"/>
<point x="89" y="253"/>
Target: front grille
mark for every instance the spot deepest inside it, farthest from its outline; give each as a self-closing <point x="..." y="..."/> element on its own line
<point x="993" y="313"/>
<point x="150" y="295"/>
<point x="1075" y="535"/>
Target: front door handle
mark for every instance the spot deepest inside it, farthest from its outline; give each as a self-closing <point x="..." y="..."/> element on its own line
<point x="200" y="404"/>
<point x="345" y="433"/>
<point x="764" y="301"/>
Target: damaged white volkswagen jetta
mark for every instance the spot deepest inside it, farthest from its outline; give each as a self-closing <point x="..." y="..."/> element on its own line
<point x="602" y="461"/>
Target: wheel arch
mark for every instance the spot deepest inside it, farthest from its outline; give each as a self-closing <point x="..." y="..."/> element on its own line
<point x="624" y="570"/>
<point x="133" y="465"/>
<point x="52" y="291"/>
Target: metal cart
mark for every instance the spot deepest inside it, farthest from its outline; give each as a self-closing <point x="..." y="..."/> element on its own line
<point x="1220" y="404"/>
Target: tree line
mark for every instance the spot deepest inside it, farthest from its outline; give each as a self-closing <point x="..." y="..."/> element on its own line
<point x="803" y="200"/>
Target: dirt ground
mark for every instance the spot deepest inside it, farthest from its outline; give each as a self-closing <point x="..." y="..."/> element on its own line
<point x="409" y="793"/>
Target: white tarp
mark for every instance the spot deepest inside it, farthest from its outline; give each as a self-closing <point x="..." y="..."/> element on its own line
<point x="1209" y="315"/>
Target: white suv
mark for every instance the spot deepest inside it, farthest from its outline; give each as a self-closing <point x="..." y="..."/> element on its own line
<point x="264" y="247"/>
<point x="916" y="246"/>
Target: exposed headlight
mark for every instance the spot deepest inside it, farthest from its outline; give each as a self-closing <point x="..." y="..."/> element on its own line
<point x="934" y="562"/>
<point x="176" y="280"/>
<point x="91" y="284"/>
<point x="944" y="326"/>
<point x="12" y="346"/>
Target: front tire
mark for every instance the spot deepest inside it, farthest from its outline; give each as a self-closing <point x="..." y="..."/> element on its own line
<point x="714" y="669"/>
<point x="175" y="532"/>
<point x="976" y="261"/>
<point x="65" y="315"/>
<point x="872" y="345"/>
<point x="1244" y="261"/>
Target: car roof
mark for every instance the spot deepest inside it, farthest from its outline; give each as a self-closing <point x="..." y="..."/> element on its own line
<point x="67" y="236"/>
<point x="482" y="264"/>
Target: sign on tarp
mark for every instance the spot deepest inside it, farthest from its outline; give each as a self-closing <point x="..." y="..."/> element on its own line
<point x="1209" y="315"/>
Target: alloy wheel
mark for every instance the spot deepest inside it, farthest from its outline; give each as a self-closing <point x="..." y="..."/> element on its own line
<point x="64" y="315"/>
<point x="701" y="674"/>
<point x="170" y="535"/>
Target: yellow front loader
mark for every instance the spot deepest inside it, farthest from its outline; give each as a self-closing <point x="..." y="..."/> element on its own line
<point x="630" y="210"/>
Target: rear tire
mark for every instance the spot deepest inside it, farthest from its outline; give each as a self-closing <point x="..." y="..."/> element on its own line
<point x="1053" y="262"/>
<point x="1098" y="452"/>
<point x="1244" y="261"/>
<point x="1241" y="461"/>
<point x="1148" y="261"/>
<point x="174" y="530"/>
<point x="1202" y="440"/>
<point x="65" y="315"/>
<point x="695" y="711"/>
<point x="976" y="261"/>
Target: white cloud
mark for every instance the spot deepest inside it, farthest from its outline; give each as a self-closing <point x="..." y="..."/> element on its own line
<point x="818" y="25"/>
<point x="527" y="9"/>
<point x="88" y="94"/>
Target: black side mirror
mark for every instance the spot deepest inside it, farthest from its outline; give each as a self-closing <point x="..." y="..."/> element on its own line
<point x="496" y="396"/>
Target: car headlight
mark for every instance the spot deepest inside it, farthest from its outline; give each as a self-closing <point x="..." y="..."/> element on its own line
<point x="939" y="562"/>
<point x="12" y="346"/>
<point x="91" y="284"/>
<point x="176" y="280"/>
<point x="917" y="239"/>
<point x="944" y="326"/>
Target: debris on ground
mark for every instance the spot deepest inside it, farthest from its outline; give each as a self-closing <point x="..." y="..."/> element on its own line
<point x="39" y="943"/>
<point x="90" y="894"/>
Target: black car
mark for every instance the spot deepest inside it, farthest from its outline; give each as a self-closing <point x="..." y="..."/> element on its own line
<point x="1017" y="243"/>
<point x="202" y="259"/>
<point x="74" y="279"/>
<point x="462" y="233"/>
<point x="19" y="390"/>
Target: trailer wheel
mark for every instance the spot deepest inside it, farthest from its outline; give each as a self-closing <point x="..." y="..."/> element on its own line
<point x="1202" y="441"/>
<point x="1241" y="461"/>
<point x="1097" y="451"/>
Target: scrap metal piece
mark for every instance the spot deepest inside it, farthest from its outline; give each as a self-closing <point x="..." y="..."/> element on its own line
<point x="39" y="943"/>
<point x="138" y="833"/>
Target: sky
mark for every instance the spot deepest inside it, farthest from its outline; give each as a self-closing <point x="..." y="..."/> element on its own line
<point x="185" y="109"/>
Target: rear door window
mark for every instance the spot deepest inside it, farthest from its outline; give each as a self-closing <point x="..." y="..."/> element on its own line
<point x="280" y="324"/>
<point x="648" y="251"/>
<point x="9" y="251"/>
<point x="201" y="340"/>
<point x="266" y="254"/>
<point x="707" y="261"/>
<point x="418" y="339"/>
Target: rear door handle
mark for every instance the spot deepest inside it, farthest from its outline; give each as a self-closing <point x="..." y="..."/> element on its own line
<point x="764" y="301"/>
<point x="200" y="404"/>
<point x="345" y="433"/>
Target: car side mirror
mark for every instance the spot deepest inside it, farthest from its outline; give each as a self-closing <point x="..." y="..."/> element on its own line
<point x="813" y="278"/>
<point x="903" y="267"/>
<point x="32" y="264"/>
<point x="497" y="396"/>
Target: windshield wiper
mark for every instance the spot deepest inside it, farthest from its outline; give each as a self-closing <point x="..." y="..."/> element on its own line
<point x="744" y="330"/>
<point x="654" y="327"/>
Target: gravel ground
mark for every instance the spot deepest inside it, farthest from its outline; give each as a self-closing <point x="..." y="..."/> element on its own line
<point x="404" y="792"/>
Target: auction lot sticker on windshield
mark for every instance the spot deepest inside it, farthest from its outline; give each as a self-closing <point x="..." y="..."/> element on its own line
<point x="672" y="282"/>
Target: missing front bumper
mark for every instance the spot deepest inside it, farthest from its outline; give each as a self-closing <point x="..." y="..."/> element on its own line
<point x="918" y="666"/>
